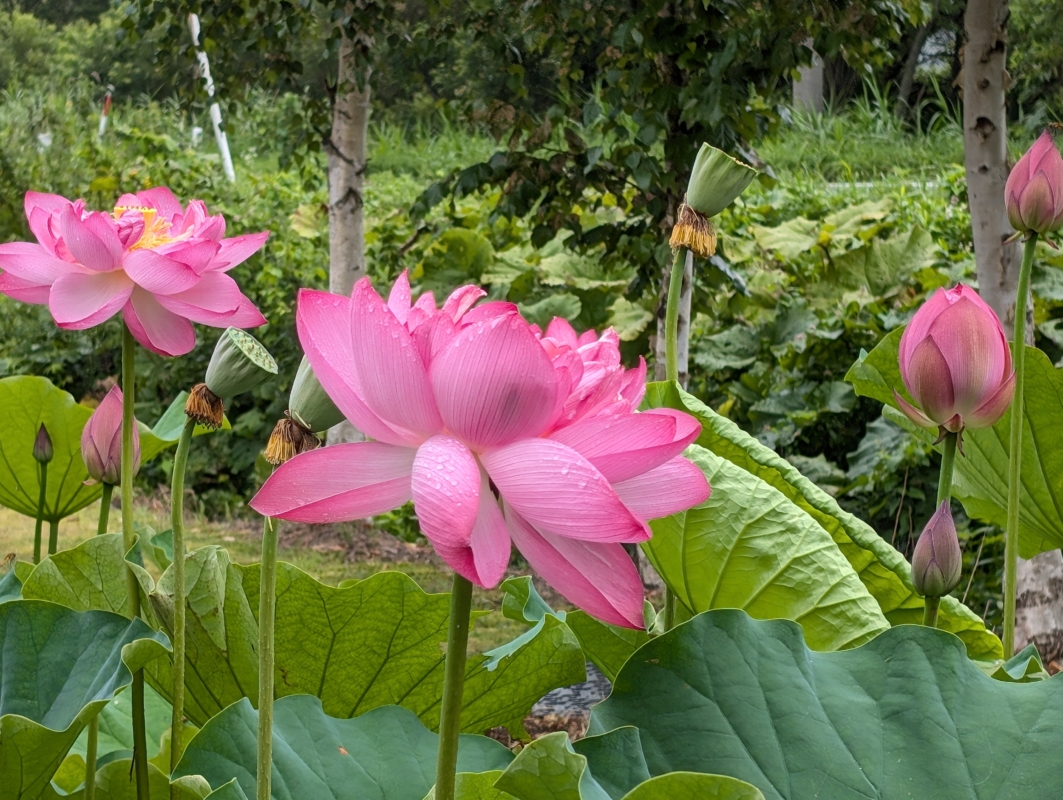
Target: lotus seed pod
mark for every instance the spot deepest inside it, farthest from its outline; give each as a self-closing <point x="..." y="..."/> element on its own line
<point x="716" y="180"/>
<point x="308" y="403"/>
<point x="239" y="364"/>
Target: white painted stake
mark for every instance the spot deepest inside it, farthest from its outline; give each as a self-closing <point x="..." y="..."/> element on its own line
<point x="215" y="109"/>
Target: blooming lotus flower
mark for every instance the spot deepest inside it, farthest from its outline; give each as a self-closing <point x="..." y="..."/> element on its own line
<point x="937" y="561"/>
<point x="956" y="363"/>
<point x="161" y="265"/>
<point x="1033" y="194"/>
<point x="101" y="441"/>
<point x="500" y="435"/>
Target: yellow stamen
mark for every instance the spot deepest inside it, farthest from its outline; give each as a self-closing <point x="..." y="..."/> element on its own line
<point x="156" y="229"/>
<point x="695" y="232"/>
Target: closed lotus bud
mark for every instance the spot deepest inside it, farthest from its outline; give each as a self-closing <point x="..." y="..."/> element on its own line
<point x="1033" y="194"/>
<point x="937" y="561"/>
<point x="956" y="363"/>
<point x="101" y="441"/>
<point x="716" y="180"/>
<point x="42" y="445"/>
<point x="239" y="364"/>
<point x="308" y="403"/>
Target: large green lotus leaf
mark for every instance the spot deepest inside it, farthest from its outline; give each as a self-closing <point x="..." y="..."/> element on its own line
<point x="116" y="725"/>
<point x="116" y="780"/>
<point x="980" y="481"/>
<point x="551" y="769"/>
<point x="476" y="786"/>
<point x="27" y="401"/>
<point x="10" y="586"/>
<point x="58" y="669"/>
<point x="905" y="715"/>
<point x="386" y="753"/>
<point x="883" y="571"/>
<point x="750" y="547"/>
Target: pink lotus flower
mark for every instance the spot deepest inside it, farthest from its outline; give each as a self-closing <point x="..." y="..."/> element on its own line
<point x="956" y="363"/>
<point x="101" y="441"/>
<point x="499" y="435"/>
<point x="1033" y="194"/>
<point x="161" y="265"/>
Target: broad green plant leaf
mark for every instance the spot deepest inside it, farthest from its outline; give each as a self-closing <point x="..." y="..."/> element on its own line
<point x="883" y="571"/>
<point x="116" y="780"/>
<point x="386" y="753"/>
<point x="879" y="267"/>
<point x="10" y="586"/>
<point x="980" y="480"/>
<point x="551" y="769"/>
<point x="58" y="669"/>
<point x="748" y="546"/>
<point x="905" y="715"/>
<point x="476" y="786"/>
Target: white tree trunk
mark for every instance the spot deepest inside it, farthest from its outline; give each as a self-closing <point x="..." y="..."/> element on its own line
<point x="1039" y="610"/>
<point x="347" y="149"/>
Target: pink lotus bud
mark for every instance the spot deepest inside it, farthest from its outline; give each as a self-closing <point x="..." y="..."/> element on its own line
<point x="937" y="561"/>
<point x="101" y="441"/>
<point x="956" y="363"/>
<point x="42" y="446"/>
<point x="1034" y="191"/>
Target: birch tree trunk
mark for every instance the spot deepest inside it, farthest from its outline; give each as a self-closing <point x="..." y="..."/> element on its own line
<point x="347" y="150"/>
<point x="1039" y="613"/>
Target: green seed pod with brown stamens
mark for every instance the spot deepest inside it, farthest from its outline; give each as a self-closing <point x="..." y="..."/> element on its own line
<point x="308" y="403"/>
<point x="289" y="439"/>
<point x="239" y="364"/>
<point x="716" y="180"/>
<point x="695" y="232"/>
<point x="205" y="407"/>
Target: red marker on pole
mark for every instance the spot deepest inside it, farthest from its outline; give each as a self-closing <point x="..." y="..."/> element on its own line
<point x="106" y="113"/>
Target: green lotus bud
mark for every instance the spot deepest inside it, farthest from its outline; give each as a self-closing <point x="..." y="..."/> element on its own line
<point x="716" y="180"/>
<point x="42" y="446"/>
<point x="937" y="561"/>
<point x="239" y="364"/>
<point x="308" y="403"/>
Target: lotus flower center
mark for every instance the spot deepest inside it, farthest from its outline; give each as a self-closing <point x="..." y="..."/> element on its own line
<point x="156" y="229"/>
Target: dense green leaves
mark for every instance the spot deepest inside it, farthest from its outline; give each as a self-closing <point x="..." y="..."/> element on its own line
<point x="907" y="712"/>
<point x="750" y="547"/>
<point x="386" y="753"/>
<point x="882" y="570"/>
<point x="58" y="669"/>
<point x="981" y="479"/>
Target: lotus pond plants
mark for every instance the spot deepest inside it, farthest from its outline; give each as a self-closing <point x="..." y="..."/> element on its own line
<point x="131" y="666"/>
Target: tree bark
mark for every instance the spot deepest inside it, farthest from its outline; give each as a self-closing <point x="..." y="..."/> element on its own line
<point x="984" y="81"/>
<point x="347" y="149"/>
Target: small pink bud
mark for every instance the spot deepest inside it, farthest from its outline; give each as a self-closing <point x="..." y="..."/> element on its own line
<point x="937" y="561"/>
<point x="101" y="441"/>
<point x="42" y="446"/>
<point x="956" y="363"/>
<point x="1034" y="191"/>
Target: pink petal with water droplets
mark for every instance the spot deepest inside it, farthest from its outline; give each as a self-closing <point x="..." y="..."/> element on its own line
<point x="156" y="328"/>
<point x="559" y="491"/>
<point x="32" y="263"/>
<point x="633" y="388"/>
<point x="599" y="578"/>
<point x="399" y="299"/>
<point x="485" y="559"/>
<point x="237" y="250"/>
<point x="562" y="332"/>
<point x="24" y="291"/>
<point x="461" y="300"/>
<point x="83" y="300"/>
<point x="668" y="489"/>
<point x="338" y="483"/>
<point x="446" y="491"/>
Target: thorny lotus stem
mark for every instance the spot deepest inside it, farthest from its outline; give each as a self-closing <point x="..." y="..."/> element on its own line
<point x="53" y="536"/>
<point x="930" y="611"/>
<point x="140" y="750"/>
<point x="177" y="524"/>
<point x="453" y="686"/>
<point x="671" y="365"/>
<point x="105" y="509"/>
<point x="1018" y="408"/>
<point x="40" y="515"/>
<point x="267" y="609"/>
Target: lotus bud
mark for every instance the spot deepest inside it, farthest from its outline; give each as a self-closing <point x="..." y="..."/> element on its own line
<point x="239" y="364"/>
<point x="1033" y="194"/>
<point x="956" y="363"/>
<point x="716" y="180"/>
<point x="289" y="439"/>
<point x="308" y="404"/>
<point x="42" y="446"/>
<point x="101" y="441"/>
<point x="937" y="561"/>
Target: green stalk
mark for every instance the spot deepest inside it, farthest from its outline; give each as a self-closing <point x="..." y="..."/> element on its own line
<point x="267" y="612"/>
<point x="1011" y="534"/>
<point x="453" y="686"/>
<point x="53" y="536"/>
<point x="671" y="368"/>
<point x="177" y="524"/>
<point x="105" y="508"/>
<point x="40" y="515"/>
<point x="140" y="750"/>
<point x="948" y="461"/>
<point x="930" y="611"/>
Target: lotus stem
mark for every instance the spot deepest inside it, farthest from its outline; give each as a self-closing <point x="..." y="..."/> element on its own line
<point x="948" y="462"/>
<point x="267" y="611"/>
<point x="671" y="365"/>
<point x="90" y="759"/>
<point x="105" y="509"/>
<point x="453" y="686"/>
<point x="930" y="611"/>
<point x="53" y="536"/>
<point x="40" y="515"/>
<point x="1011" y="534"/>
<point x="177" y="524"/>
<point x="140" y="750"/>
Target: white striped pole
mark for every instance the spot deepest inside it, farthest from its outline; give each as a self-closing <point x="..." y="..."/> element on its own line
<point x="215" y="109"/>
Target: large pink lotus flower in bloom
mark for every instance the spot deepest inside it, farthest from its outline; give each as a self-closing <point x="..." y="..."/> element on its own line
<point x="500" y="434"/>
<point x="163" y="266"/>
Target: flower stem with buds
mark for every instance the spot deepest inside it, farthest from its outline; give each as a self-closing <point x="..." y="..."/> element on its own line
<point x="177" y="524"/>
<point x="94" y="726"/>
<point x="1011" y="534"/>
<point x="140" y="750"/>
<point x="453" y="687"/>
<point x="267" y="608"/>
<point x="948" y="463"/>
